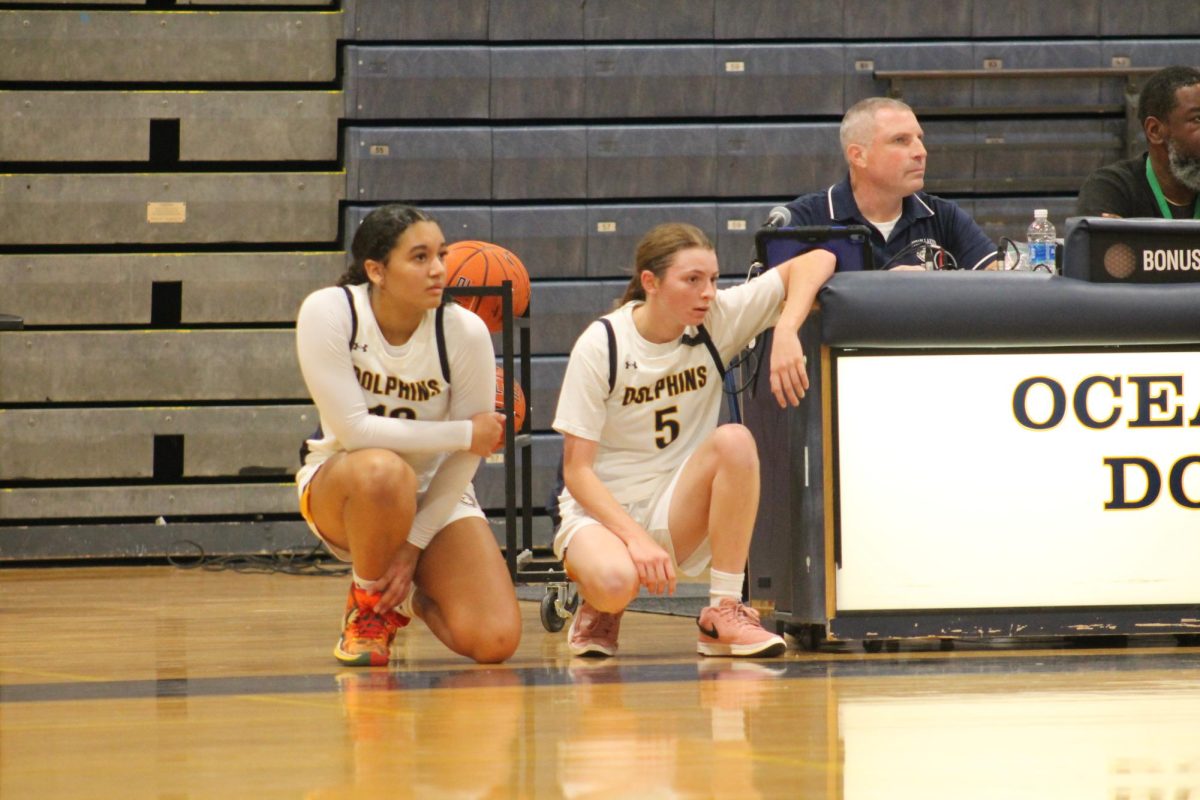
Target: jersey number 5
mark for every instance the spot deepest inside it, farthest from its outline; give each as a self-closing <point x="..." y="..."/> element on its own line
<point x="664" y="424"/>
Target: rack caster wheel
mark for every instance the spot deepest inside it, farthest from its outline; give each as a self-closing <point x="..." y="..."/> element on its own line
<point x="558" y="604"/>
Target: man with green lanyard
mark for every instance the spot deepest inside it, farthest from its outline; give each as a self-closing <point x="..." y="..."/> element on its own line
<point x="1163" y="182"/>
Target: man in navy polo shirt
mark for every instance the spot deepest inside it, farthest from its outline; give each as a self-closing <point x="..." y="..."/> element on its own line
<point x="883" y="146"/>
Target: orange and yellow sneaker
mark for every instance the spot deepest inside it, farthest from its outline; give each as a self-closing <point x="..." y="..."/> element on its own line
<point x="366" y="633"/>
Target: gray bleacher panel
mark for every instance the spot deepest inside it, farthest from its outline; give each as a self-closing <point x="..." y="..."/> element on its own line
<point x="1043" y="155"/>
<point x="736" y="225"/>
<point x="777" y="19"/>
<point x="1035" y="92"/>
<point x="905" y="19"/>
<point x="550" y="240"/>
<point x="1149" y="18"/>
<point x="217" y="441"/>
<point x="352" y="217"/>
<point x="69" y="540"/>
<point x="534" y="20"/>
<point x="148" y="366"/>
<point x="324" y="3"/>
<point x="415" y="20"/>
<point x="862" y="59"/>
<point x="99" y="502"/>
<point x="417" y="82"/>
<point x="1147" y="53"/>
<point x="951" y="148"/>
<point x="539" y="163"/>
<point x="419" y="164"/>
<point x="760" y="80"/>
<point x="174" y="207"/>
<point x="1153" y="53"/>
<point x="648" y="19"/>
<point x="546" y="377"/>
<point x="457" y="223"/>
<point x="258" y="126"/>
<point x="546" y="452"/>
<point x="170" y="46"/>
<point x="1010" y="216"/>
<point x="117" y="289"/>
<point x="538" y="82"/>
<point x="651" y="161"/>
<point x="213" y="126"/>
<point x="613" y="232"/>
<point x="562" y="309"/>
<point x="1034" y="18"/>
<point x="464" y="222"/>
<point x="650" y="81"/>
<point x="776" y="159"/>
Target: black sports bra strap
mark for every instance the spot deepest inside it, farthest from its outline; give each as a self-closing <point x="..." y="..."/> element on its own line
<point x="702" y="337"/>
<point x="612" y="354"/>
<point x="353" y="316"/>
<point x="440" y="332"/>
<point x="712" y="349"/>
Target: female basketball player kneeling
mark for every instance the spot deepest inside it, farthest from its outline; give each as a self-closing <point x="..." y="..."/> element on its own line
<point x="404" y="385"/>
<point x="653" y="485"/>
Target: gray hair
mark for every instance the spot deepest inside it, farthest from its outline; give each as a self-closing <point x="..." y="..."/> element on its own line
<point x="858" y="125"/>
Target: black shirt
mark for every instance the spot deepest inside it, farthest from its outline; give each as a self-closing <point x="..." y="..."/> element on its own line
<point x="1122" y="189"/>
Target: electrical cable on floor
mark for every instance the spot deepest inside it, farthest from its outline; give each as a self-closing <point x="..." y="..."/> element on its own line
<point x="316" y="561"/>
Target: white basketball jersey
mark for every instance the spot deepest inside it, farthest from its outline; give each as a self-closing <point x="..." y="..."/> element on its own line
<point x="400" y="382"/>
<point x="665" y="398"/>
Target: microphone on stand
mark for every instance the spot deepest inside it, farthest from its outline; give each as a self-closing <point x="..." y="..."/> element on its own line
<point x="779" y="217"/>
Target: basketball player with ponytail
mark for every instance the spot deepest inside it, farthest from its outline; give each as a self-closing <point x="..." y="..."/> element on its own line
<point x="653" y="485"/>
<point x="404" y="386"/>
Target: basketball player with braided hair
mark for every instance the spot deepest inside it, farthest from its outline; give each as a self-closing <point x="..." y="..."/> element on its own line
<point x="404" y="385"/>
<point x="653" y="484"/>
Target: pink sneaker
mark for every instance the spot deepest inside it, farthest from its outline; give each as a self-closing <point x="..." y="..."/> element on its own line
<point x="732" y="629"/>
<point x="593" y="633"/>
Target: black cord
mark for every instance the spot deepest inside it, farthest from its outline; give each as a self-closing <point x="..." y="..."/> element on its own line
<point x="286" y="562"/>
<point x="926" y="253"/>
<point x="749" y="356"/>
<point x="1006" y="245"/>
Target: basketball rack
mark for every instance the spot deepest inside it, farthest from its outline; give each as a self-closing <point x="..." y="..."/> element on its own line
<point x="527" y="564"/>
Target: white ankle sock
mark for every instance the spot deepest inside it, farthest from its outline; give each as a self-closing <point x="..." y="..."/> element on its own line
<point x="405" y="606"/>
<point x="360" y="582"/>
<point x="724" y="584"/>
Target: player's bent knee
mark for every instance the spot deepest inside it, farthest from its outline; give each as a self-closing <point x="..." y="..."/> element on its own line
<point x="381" y="475"/>
<point x="495" y="644"/>
<point x="497" y="648"/>
<point x="735" y="446"/>
<point x="612" y="588"/>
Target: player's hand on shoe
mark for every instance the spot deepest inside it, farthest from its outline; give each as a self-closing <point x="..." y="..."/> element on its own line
<point x="487" y="429"/>
<point x="653" y="564"/>
<point x="393" y="584"/>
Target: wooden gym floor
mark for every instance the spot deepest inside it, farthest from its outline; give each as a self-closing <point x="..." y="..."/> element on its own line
<point x="154" y="682"/>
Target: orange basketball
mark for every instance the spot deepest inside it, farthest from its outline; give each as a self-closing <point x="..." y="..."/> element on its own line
<point x="518" y="403"/>
<point x="471" y="263"/>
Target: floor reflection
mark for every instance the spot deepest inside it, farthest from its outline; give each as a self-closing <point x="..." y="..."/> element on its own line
<point x="458" y="740"/>
<point x="1114" y="738"/>
<point x="743" y="729"/>
<point x="631" y="739"/>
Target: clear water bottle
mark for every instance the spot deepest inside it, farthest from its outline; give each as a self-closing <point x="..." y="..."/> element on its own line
<point x="1043" y="240"/>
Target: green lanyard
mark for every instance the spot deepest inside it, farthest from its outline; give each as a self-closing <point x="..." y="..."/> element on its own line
<point x="1161" y="198"/>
